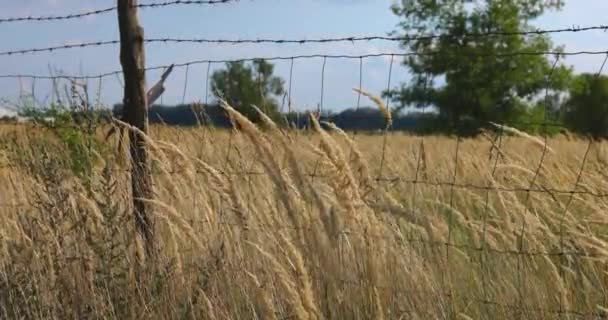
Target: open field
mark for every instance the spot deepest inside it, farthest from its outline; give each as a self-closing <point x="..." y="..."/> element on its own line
<point x="264" y="225"/>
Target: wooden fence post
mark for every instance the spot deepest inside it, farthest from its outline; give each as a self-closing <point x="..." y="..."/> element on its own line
<point x="135" y="105"/>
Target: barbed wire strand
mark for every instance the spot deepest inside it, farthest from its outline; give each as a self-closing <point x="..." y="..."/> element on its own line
<point x="520" y="252"/>
<point x="348" y="39"/>
<point x="81" y="15"/>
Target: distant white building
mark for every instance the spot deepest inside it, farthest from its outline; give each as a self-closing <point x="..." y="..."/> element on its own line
<point x="12" y="114"/>
<point x="7" y="113"/>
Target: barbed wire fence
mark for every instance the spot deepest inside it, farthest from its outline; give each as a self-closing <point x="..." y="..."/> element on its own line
<point x="521" y="252"/>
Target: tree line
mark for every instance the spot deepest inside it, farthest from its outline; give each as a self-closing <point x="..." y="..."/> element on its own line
<point x="363" y="119"/>
<point x="467" y="81"/>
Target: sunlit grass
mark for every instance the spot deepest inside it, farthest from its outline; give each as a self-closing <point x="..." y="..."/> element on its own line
<point x="264" y="224"/>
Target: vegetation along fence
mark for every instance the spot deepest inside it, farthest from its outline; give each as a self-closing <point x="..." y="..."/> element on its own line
<point x="486" y="201"/>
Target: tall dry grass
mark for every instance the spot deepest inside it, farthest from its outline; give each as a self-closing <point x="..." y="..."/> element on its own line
<point x="267" y="224"/>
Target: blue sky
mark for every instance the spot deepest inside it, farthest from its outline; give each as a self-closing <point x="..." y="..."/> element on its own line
<point x="246" y="19"/>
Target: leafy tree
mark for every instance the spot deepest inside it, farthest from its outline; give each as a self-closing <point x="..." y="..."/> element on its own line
<point x="474" y="78"/>
<point x="586" y="110"/>
<point x="243" y="85"/>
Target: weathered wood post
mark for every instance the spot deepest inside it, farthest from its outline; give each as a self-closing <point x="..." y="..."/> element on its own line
<point x="135" y="105"/>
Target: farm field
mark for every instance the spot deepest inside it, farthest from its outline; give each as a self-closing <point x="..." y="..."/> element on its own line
<point x="267" y="224"/>
<point x="226" y="159"/>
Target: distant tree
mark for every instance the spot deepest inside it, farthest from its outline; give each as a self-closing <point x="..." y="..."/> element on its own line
<point x="586" y="110"/>
<point x="474" y="78"/>
<point x="243" y="85"/>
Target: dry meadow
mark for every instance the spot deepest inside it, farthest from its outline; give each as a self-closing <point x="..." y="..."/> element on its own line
<point x="272" y="224"/>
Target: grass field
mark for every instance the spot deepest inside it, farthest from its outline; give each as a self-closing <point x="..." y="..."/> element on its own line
<point x="273" y="225"/>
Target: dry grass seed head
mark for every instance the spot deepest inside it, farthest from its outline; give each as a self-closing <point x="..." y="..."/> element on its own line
<point x="289" y="195"/>
<point x="385" y="112"/>
<point x="286" y="283"/>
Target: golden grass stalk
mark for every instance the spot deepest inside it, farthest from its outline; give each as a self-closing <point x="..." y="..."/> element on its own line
<point x="522" y="134"/>
<point x="62" y="255"/>
<point x="344" y="183"/>
<point x="286" y="283"/>
<point x="289" y="194"/>
<point x="366" y="182"/>
<point x="388" y="117"/>
<point x="173" y="218"/>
